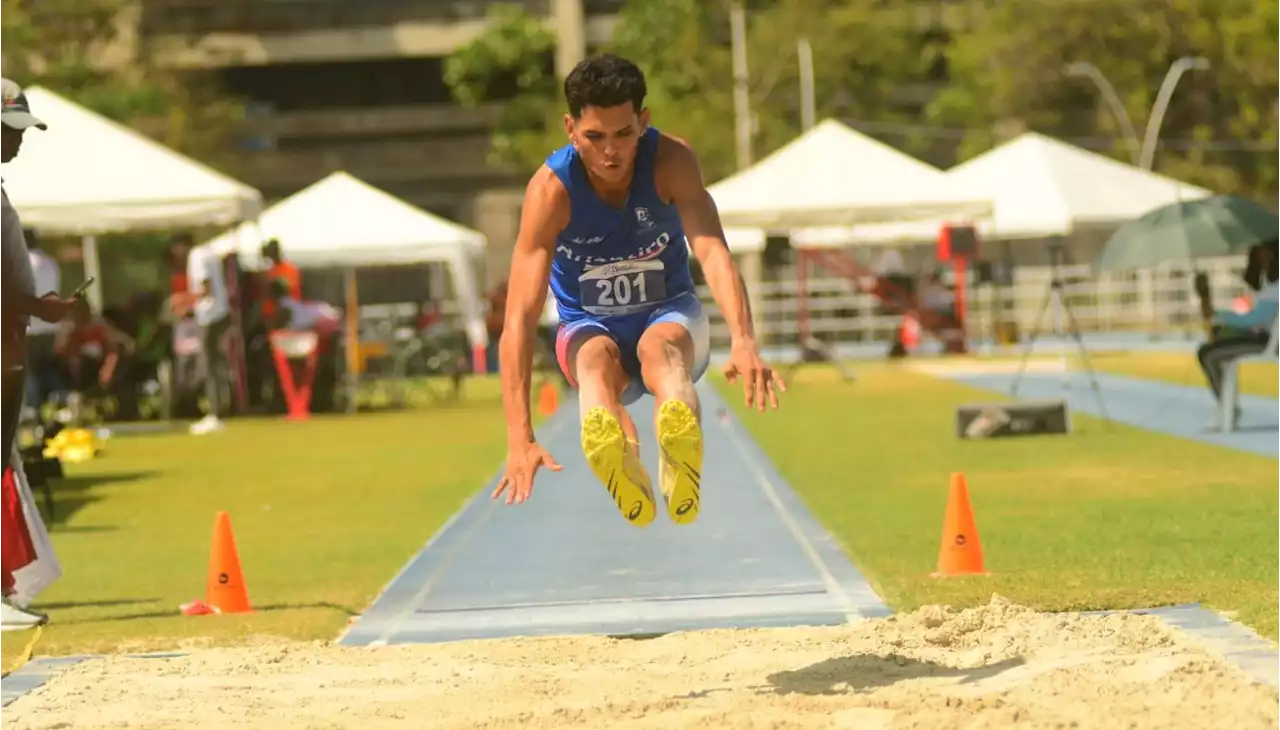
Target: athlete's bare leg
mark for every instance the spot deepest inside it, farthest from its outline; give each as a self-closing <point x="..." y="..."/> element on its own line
<point x="609" y="438"/>
<point x="666" y="364"/>
<point x="597" y="366"/>
<point x="666" y="353"/>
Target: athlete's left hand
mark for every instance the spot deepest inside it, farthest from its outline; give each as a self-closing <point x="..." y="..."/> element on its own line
<point x="760" y="384"/>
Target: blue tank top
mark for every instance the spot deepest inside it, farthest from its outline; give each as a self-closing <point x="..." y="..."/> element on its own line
<point x="612" y="262"/>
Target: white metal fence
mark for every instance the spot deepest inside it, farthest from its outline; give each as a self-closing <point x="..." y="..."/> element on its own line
<point x="1159" y="300"/>
<point x="1153" y="301"/>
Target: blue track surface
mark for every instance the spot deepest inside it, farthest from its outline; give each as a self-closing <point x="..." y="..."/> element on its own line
<point x="567" y="563"/>
<point x="1166" y="408"/>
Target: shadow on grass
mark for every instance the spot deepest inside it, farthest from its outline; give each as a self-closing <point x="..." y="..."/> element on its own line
<point x="63" y="605"/>
<point x="74" y="493"/>
<point x="174" y="612"/>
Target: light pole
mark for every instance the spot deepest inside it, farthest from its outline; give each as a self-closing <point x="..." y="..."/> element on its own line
<point x="808" y="102"/>
<point x="1144" y="152"/>
<point x="1094" y="74"/>
<point x="741" y="84"/>
<point x="1179" y="67"/>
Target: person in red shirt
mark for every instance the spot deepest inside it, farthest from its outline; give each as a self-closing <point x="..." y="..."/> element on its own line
<point x="281" y="270"/>
<point x="89" y="348"/>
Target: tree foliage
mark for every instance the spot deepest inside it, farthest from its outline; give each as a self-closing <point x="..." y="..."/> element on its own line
<point x="510" y="62"/>
<point x="1007" y="74"/>
<point x="1003" y="62"/>
<point x="89" y="51"/>
<point x="683" y="48"/>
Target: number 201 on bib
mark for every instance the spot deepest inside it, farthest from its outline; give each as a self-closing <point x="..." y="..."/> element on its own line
<point x="623" y="285"/>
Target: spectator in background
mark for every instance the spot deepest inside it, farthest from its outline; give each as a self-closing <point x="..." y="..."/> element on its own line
<point x="494" y="321"/>
<point x="207" y="292"/>
<point x="293" y="314"/>
<point x="175" y="256"/>
<point x="43" y="378"/>
<point x="279" y="270"/>
<point x="319" y="317"/>
<point x="89" y="348"/>
<point x="1240" y="334"/>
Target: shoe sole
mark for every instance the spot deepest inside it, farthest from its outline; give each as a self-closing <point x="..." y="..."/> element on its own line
<point x="680" y="438"/>
<point x="610" y="459"/>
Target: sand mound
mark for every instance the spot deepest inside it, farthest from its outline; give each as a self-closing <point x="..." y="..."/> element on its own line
<point x="996" y="666"/>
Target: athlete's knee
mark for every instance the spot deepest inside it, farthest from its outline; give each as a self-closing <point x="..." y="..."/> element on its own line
<point x="667" y="362"/>
<point x="666" y="345"/>
<point x="598" y="359"/>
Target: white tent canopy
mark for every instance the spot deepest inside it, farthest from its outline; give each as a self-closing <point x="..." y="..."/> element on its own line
<point x="87" y="175"/>
<point x="745" y="240"/>
<point x="345" y="222"/>
<point x="834" y="176"/>
<point x="1045" y="187"/>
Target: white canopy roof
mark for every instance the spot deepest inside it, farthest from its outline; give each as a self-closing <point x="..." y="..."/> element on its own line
<point x="341" y="220"/>
<point x="87" y="174"/>
<point x="344" y="221"/>
<point x="834" y="176"/>
<point x="1045" y="187"/>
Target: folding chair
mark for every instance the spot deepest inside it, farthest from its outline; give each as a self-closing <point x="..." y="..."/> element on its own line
<point x="1229" y="403"/>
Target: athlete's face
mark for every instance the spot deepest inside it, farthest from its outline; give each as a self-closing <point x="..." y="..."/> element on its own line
<point x="10" y="140"/>
<point x="606" y="139"/>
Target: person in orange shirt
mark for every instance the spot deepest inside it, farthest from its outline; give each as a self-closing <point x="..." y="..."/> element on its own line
<point x="180" y="300"/>
<point x="282" y="270"/>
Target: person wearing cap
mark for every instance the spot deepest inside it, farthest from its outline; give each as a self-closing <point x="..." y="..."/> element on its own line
<point x="20" y="304"/>
<point x="21" y="301"/>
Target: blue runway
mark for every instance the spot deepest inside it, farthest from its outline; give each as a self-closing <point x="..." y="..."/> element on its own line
<point x="567" y="563"/>
<point x="1165" y="408"/>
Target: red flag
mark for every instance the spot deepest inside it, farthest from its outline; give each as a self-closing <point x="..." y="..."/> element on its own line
<point x="16" y="548"/>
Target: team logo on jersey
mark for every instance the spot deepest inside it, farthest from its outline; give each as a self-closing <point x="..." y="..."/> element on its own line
<point x="643" y="218"/>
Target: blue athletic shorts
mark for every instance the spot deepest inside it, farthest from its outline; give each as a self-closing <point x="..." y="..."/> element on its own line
<point x="626" y="330"/>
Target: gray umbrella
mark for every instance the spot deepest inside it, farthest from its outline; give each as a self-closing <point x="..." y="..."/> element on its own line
<point x="1222" y="225"/>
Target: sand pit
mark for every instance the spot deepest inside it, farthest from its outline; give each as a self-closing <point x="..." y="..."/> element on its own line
<point x="997" y="666"/>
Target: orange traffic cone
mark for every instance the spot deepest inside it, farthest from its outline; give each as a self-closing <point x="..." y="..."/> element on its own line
<point x="225" y="590"/>
<point x="548" y="398"/>
<point x="961" y="552"/>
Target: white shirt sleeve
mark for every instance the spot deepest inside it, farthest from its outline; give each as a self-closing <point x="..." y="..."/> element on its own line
<point x="204" y="272"/>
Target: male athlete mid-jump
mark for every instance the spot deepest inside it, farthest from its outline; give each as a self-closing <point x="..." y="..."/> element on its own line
<point x="608" y="221"/>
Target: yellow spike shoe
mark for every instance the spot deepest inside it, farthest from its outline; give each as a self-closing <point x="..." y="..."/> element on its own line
<point x="616" y="464"/>
<point x="680" y="461"/>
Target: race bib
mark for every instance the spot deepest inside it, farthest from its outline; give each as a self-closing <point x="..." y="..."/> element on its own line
<point x="623" y="287"/>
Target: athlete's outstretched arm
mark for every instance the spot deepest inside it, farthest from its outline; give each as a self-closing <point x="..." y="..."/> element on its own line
<point x="681" y="178"/>
<point x="545" y="214"/>
<point x="540" y="221"/>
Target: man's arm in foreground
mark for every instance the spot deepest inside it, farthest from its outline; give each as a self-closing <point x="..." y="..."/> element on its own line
<point x="682" y="176"/>
<point x="545" y="215"/>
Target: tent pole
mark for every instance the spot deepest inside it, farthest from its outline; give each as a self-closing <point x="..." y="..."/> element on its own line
<point x="92" y="267"/>
<point x="352" y="337"/>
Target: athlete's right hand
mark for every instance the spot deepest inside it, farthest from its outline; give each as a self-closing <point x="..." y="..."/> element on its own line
<point x="523" y="461"/>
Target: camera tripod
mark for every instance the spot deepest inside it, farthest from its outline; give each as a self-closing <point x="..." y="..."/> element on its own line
<point x="1053" y="297"/>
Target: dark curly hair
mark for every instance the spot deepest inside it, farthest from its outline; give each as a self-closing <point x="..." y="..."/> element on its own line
<point x="604" y="81"/>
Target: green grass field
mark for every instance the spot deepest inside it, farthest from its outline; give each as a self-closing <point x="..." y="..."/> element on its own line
<point x="1257" y="378"/>
<point x="326" y="512"/>
<point x="1109" y="517"/>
